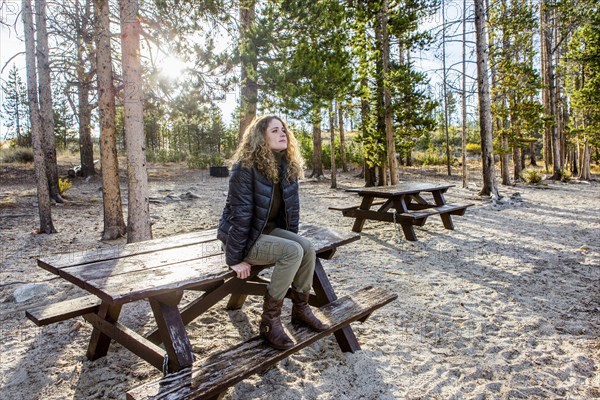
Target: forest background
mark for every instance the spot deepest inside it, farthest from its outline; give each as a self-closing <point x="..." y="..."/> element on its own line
<point x="525" y="89"/>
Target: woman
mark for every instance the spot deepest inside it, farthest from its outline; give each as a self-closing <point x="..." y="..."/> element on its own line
<point x="260" y="223"/>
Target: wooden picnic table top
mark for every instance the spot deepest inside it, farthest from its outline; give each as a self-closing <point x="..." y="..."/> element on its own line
<point x="399" y="189"/>
<point x="126" y="273"/>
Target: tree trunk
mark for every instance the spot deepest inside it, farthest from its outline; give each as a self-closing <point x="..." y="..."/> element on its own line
<point x="86" y="147"/>
<point x="138" y="212"/>
<point x="504" y="162"/>
<point x="249" y="86"/>
<point x="342" y="138"/>
<point x="114" y="225"/>
<point x="445" y="88"/>
<point x="465" y="181"/>
<point x="518" y="168"/>
<point x="585" y="172"/>
<point x="548" y="92"/>
<point x="317" y="171"/>
<point x="332" y="138"/>
<point x="387" y="98"/>
<point x="485" y="112"/>
<point x="532" y="155"/>
<point x="45" y="100"/>
<point x="43" y="193"/>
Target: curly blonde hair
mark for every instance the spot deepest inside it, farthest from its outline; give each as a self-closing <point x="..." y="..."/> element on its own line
<point x="254" y="150"/>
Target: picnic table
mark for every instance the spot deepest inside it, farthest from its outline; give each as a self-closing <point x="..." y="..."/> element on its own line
<point x="409" y="206"/>
<point x="158" y="271"/>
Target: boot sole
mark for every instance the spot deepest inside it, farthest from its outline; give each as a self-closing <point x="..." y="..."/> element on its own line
<point x="276" y="346"/>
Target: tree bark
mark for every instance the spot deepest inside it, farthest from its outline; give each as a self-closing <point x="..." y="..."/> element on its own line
<point x="504" y="164"/>
<point x="43" y="192"/>
<point x="518" y="168"/>
<point x="532" y="156"/>
<point x="249" y="86"/>
<point x="86" y="146"/>
<point x="114" y="224"/>
<point x="342" y="137"/>
<point x="317" y="171"/>
<point x="485" y="113"/>
<point x="465" y="181"/>
<point x="138" y="212"/>
<point x="387" y="98"/>
<point x="445" y="88"/>
<point x="585" y="172"/>
<point x="332" y="138"/>
<point x="45" y="100"/>
<point x="548" y="93"/>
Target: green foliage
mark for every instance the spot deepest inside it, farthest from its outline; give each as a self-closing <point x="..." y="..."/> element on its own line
<point x="64" y="185"/>
<point x="18" y="155"/>
<point x="532" y="176"/>
<point x="199" y="161"/>
<point x="353" y="155"/>
<point x="15" y="110"/>
<point x="473" y="148"/>
<point x="429" y="157"/>
<point x="565" y="175"/>
<point x="582" y="67"/>
<point x="306" y="146"/>
<point x="165" y="156"/>
<point x="518" y="81"/>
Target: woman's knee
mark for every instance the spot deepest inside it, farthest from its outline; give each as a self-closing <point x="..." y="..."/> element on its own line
<point x="293" y="251"/>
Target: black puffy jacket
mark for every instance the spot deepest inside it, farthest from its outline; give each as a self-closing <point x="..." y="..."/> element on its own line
<point x="247" y="209"/>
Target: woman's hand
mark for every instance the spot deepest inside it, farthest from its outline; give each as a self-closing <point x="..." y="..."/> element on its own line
<point x="242" y="269"/>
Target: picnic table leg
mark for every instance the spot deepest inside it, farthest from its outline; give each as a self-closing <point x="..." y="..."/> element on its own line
<point x="407" y="228"/>
<point x="366" y="203"/>
<point x="439" y="199"/>
<point x="172" y="330"/>
<point x="99" y="342"/>
<point x="324" y="292"/>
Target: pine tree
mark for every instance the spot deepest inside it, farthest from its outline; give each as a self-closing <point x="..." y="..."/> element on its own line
<point x="14" y="108"/>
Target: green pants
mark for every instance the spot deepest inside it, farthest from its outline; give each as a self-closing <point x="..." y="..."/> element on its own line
<point x="294" y="258"/>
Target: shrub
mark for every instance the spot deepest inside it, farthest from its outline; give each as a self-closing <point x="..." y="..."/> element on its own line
<point x="64" y="185"/>
<point x="429" y="158"/>
<point x="164" y="156"/>
<point x="532" y="176"/>
<point x="565" y="175"/>
<point x="473" y="148"/>
<point x="199" y="161"/>
<point x="216" y="160"/>
<point x="18" y="154"/>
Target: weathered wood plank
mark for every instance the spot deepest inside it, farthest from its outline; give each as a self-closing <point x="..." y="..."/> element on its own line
<point x="128" y="338"/>
<point x="212" y="375"/>
<point x="146" y="283"/>
<point x="51" y="313"/>
<point x="399" y="189"/>
<point x="138" y="262"/>
<point x="56" y="262"/>
<point x="453" y="208"/>
<point x="325" y="239"/>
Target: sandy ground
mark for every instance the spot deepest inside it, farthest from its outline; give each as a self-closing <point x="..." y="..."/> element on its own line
<point x="507" y="306"/>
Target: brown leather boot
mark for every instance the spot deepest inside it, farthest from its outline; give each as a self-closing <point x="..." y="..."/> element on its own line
<point x="301" y="312"/>
<point x="270" y="324"/>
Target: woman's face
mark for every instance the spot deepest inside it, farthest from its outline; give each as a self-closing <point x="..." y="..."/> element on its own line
<point x="276" y="136"/>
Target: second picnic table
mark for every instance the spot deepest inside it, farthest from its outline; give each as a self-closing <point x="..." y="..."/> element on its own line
<point x="409" y="206"/>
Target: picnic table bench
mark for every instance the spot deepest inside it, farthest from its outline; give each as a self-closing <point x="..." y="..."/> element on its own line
<point x="159" y="271"/>
<point x="409" y="207"/>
